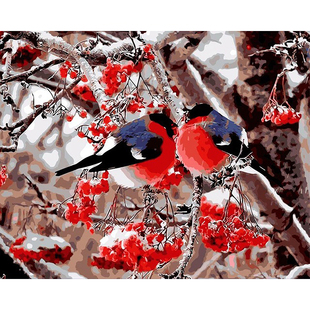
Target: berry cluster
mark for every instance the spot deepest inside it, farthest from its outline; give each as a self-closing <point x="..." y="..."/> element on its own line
<point x="36" y="247"/>
<point x="3" y="175"/>
<point x="24" y="55"/>
<point x="98" y="130"/>
<point x="136" y="104"/>
<point x="84" y="92"/>
<point x="115" y="73"/>
<point x="230" y="235"/>
<point x="82" y="209"/>
<point x="148" y="53"/>
<point x="174" y="177"/>
<point x="67" y="68"/>
<point x="281" y="115"/>
<point x="93" y="186"/>
<point x="134" y="247"/>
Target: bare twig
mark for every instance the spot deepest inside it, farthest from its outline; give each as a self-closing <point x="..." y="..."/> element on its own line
<point x="22" y="125"/>
<point x="25" y="75"/>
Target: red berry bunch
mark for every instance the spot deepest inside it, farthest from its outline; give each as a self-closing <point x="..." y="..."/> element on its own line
<point x="135" y="247"/>
<point x="174" y="177"/>
<point x="35" y="247"/>
<point x="67" y="68"/>
<point x="281" y="115"/>
<point x="24" y="55"/>
<point x="93" y="186"/>
<point x="148" y="53"/>
<point x="3" y="175"/>
<point x="99" y="130"/>
<point x="84" y="92"/>
<point x="137" y="104"/>
<point x="115" y="73"/>
<point x="231" y="235"/>
<point x="81" y="209"/>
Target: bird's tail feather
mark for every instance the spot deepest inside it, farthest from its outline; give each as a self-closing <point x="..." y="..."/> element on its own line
<point x="89" y="161"/>
<point x="255" y="165"/>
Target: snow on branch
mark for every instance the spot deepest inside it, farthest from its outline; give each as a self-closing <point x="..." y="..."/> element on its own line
<point x="33" y="269"/>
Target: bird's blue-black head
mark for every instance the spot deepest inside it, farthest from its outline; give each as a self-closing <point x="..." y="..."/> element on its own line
<point x="164" y="121"/>
<point x="199" y="110"/>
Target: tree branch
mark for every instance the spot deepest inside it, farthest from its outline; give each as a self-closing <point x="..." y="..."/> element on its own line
<point x="279" y="214"/>
<point x="25" y="75"/>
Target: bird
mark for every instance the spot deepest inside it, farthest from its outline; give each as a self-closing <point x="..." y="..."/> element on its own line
<point x="208" y="138"/>
<point x="137" y="154"/>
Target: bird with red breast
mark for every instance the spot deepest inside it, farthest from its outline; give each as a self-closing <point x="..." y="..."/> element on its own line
<point x="139" y="153"/>
<point x="208" y="138"/>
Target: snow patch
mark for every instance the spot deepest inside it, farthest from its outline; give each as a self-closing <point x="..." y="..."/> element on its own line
<point x="51" y="158"/>
<point x="118" y="234"/>
<point x="51" y="139"/>
<point x="34" y="242"/>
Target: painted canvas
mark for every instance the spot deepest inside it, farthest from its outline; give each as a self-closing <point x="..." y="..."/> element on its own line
<point x="154" y="154"/>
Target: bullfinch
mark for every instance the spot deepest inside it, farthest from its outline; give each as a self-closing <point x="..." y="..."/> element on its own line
<point x="139" y="153"/>
<point x="207" y="139"/>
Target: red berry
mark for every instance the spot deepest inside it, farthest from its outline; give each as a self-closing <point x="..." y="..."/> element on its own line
<point x="107" y="119"/>
<point x="63" y="72"/>
<point x="83" y="114"/>
<point x="138" y="67"/>
<point x="69" y="117"/>
<point x="84" y="78"/>
<point x="81" y="134"/>
<point x="160" y="237"/>
<point x="151" y="57"/>
<point x="105" y="174"/>
<point x="147" y="48"/>
<point x="73" y="74"/>
<point x="68" y="64"/>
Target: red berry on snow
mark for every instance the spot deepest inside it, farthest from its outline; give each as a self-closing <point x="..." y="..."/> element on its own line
<point x="63" y="72"/>
<point x="69" y="117"/>
<point x="83" y="114"/>
<point x="73" y="74"/>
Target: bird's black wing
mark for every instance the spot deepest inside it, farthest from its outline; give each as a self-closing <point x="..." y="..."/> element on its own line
<point x="124" y="154"/>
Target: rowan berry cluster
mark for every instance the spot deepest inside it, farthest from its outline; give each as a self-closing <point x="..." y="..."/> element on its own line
<point x="230" y="235"/>
<point x="281" y="115"/>
<point x="148" y="53"/>
<point x="84" y="92"/>
<point x="3" y="175"/>
<point x="137" y="248"/>
<point x="35" y="247"/>
<point x="136" y="104"/>
<point x="173" y="177"/>
<point x="98" y="131"/>
<point x="24" y="55"/>
<point x="68" y="68"/>
<point x="115" y="73"/>
<point x="82" y="208"/>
